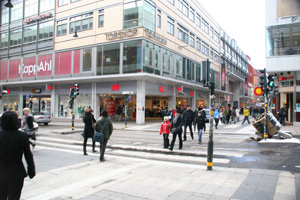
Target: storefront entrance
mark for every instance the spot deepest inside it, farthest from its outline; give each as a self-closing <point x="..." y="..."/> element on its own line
<point x="38" y="103"/>
<point x="153" y="106"/>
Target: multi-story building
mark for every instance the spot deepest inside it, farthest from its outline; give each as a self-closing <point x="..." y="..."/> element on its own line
<point x="153" y="49"/>
<point x="283" y="54"/>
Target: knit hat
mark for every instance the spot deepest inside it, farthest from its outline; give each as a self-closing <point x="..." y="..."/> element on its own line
<point x="166" y="118"/>
<point x="104" y="113"/>
<point x="9" y="121"/>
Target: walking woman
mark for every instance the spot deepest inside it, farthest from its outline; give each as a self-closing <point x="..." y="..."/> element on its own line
<point x="89" y="124"/>
<point x="216" y="117"/>
<point x="27" y="125"/>
<point x="200" y="123"/>
<point x="176" y="129"/>
<point x="165" y="130"/>
<point x="107" y="130"/>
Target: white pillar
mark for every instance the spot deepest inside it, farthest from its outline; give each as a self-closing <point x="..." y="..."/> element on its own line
<point x="53" y="101"/>
<point x="172" y="100"/>
<point x="20" y="107"/>
<point x="140" y="102"/>
<point x="95" y="101"/>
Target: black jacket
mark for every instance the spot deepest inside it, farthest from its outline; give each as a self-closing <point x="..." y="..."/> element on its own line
<point x="88" y="121"/>
<point x="188" y="116"/>
<point x="261" y="111"/>
<point x="177" y="125"/>
<point x="200" y="122"/>
<point x="13" y="144"/>
<point x="255" y="110"/>
<point x="282" y="112"/>
<point x="119" y="110"/>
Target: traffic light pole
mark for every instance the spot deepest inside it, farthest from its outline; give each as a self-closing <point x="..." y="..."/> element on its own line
<point x="126" y="115"/>
<point x="73" y="118"/>
<point x="210" y="147"/>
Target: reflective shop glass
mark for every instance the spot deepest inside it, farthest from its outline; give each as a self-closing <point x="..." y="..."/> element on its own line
<point x="30" y="34"/>
<point x="190" y="70"/>
<point x="132" y="56"/>
<point x="17" y="11"/>
<point x="179" y="64"/>
<point x="139" y="13"/>
<point x="46" y="31"/>
<point x="87" y="60"/>
<point x="168" y="62"/>
<point x="31" y="7"/>
<point x="198" y="73"/>
<point x="283" y="40"/>
<point x="46" y="5"/>
<point x="4" y="13"/>
<point x="111" y="59"/>
<point x="16" y="38"/>
<point x="152" y="58"/>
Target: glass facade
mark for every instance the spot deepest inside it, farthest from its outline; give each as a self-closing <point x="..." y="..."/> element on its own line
<point x="152" y="58"/>
<point x="30" y="34"/>
<point x="31" y="7"/>
<point x="283" y="40"/>
<point x="138" y="13"/>
<point x="132" y="56"/>
<point x="87" y="60"/>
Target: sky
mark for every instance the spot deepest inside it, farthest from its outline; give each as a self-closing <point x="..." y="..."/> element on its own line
<point x="244" y="21"/>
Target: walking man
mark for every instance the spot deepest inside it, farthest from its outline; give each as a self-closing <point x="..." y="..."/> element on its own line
<point x="188" y="118"/>
<point x="13" y="144"/>
<point x="246" y="115"/>
<point x="176" y="129"/>
<point x="282" y="115"/>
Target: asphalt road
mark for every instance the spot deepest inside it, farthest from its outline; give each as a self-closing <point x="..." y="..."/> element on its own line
<point x="232" y="151"/>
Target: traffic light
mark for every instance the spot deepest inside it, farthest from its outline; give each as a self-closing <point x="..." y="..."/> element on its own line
<point x="126" y="98"/>
<point x="71" y="93"/>
<point x="263" y="82"/>
<point x="206" y="71"/>
<point x="76" y="90"/>
<point x="271" y="82"/>
<point x="275" y="94"/>
<point x="212" y="88"/>
<point x="71" y="103"/>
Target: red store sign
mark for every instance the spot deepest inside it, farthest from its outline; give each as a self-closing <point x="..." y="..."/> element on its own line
<point x="115" y="87"/>
<point x="39" y="17"/>
<point x="285" y="78"/>
<point x="161" y="89"/>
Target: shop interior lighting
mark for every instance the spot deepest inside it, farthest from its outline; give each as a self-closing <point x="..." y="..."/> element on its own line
<point x="8" y="4"/>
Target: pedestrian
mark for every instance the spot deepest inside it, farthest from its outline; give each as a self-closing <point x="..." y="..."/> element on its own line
<point x="204" y="116"/>
<point x="165" y="130"/>
<point x="188" y="118"/>
<point x="163" y="113"/>
<point x="221" y="114"/>
<point x="255" y="112"/>
<point x="176" y="129"/>
<point x="119" y="112"/>
<point x="262" y="110"/>
<point x="237" y="113"/>
<point x="89" y="125"/>
<point x="225" y="115"/>
<point x="173" y="112"/>
<point x="107" y="131"/>
<point x="200" y="123"/>
<point x="229" y="115"/>
<point x="216" y="117"/>
<point x="282" y="115"/>
<point x="170" y="115"/>
<point x="13" y="144"/>
<point x="27" y="125"/>
<point x="233" y="115"/>
<point x="246" y="115"/>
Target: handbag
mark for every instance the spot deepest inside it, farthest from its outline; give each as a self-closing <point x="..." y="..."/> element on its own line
<point x="99" y="136"/>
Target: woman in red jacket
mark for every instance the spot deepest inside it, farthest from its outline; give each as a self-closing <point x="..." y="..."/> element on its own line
<point x="165" y="130"/>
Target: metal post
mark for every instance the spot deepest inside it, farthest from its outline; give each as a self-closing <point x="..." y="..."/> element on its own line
<point x="266" y="118"/>
<point x="126" y="115"/>
<point x="211" y="132"/>
<point x="73" y="118"/>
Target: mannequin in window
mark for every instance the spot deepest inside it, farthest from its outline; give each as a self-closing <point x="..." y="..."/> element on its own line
<point x="16" y="106"/>
<point x="61" y="110"/>
<point x="30" y="105"/>
<point x="5" y="107"/>
<point x="43" y="104"/>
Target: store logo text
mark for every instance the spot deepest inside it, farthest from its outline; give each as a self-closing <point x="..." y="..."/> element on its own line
<point x="32" y="69"/>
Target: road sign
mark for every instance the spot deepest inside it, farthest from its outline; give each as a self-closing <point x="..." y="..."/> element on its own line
<point x="130" y="99"/>
<point x="27" y="96"/>
<point x="258" y="91"/>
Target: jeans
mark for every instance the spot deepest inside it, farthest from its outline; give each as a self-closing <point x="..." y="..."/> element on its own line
<point x="246" y="118"/>
<point x="102" y="149"/>
<point x="233" y="119"/>
<point x="282" y="119"/>
<point x="200" y="134"/>
<point x="174" y="139"/>
<point x="217" y="122"/>
<point x="166" y="140"/>
<point x="191" y="130"/>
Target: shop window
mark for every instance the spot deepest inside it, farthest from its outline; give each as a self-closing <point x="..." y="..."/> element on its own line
<point x="46" y="31"/>
<point x="111" y="59"/>
<point x="87" y="60"/>
<point x="132" y="54"/>
<point x="46" y="5"/>
<point x="152" y="58"/>
<point x="31" y="7"/>
<point x="101" y="18"/>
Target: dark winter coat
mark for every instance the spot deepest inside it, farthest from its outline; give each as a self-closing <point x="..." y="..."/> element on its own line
<point x="282" y="112"/>
<point x="170" y="113"/>
<point x="88" y="121"/>
<point x="177" y="126"/>
<point x="13" y="144"/>
<point x="108" y="129"/>
<point x="199" y="122"/>
<point x="119" y="110"/>
<point x="188" y="116"/>
<point x="255" y="110"/>
<point x="261" y="111"/>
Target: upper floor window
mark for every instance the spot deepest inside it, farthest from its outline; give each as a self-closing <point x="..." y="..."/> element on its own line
<point x="46" y="5"/>
<point x="183" y="35"/>
<point x="198" y="44"/>
<point x="159" y="19"/>
<point x="16" y="38"/>
<point x="205" y="48"/>
<point x="74" y="1"/>
<point x="183" y="7"/>
<point x="204" y="26"/>
<point x="192" y="15"/>
<point x="30" y="35"/>
<point x="62" y="2"/>
<point x="172" y="1"/>
<point x="192" y="40"/>
<point x="31" y="7"/>
<point x="101" y="18"/>
<point x="46" y="31"/>
<point x="81" y="22"/>
<point x="198" y="20"/>
<point x="4" y="40"/>
<point x="17" y="12"/>
<point x="170" y="26"/>
<point x="61" y="28"/>
<point x="4" y="14"/>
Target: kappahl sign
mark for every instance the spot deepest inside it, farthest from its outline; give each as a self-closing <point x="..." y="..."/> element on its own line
<point x="43" y="66"/>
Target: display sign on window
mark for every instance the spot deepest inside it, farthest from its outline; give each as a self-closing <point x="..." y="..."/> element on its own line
<point x="111" y="107"/>
<point x="223" y="77"/>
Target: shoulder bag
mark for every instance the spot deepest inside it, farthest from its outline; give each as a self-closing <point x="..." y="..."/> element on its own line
<point x="99" y="136"/>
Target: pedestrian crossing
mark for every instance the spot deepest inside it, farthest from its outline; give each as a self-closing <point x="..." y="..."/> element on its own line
<point x="191" y="155"/>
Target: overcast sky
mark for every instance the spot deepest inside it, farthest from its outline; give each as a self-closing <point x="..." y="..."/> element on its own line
<point x="244" y="21"/>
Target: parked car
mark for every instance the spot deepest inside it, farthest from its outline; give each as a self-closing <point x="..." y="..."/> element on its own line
<point x="42" y="117"/>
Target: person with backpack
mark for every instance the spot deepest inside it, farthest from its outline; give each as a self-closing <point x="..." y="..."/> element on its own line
<point x="165" y="130"/>
<point x="104" y="124"/>
<point x="200" y="123"/>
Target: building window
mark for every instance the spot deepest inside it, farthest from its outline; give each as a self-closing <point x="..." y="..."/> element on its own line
<point x="4" y="40"/>
<point x="158" y="21"/>
<point x="205" y="48"/>
<point x="87" y="60"/>
<point x="46" y="31"/>
<point x="101" y="18"/>
<point x="198" y="45"/>
<point x="81" y="23"/>
<point x="192" y="15"/>
<point x="168" y="62"/>
<point x="190" y="70"/>
<point x="30" y="34"/>
<point x="4" y="14"/>
<point x="170" y="26"/>
<point x="179" y="65"/>
<point x="182" y="35"/>
<point x="198" y="20"/>
<point x="46" y="5"/>
<point x="204" y="26"/>
<point x="152" y="58"/>
<point x="172" y="1"/>
<point x="61" y="28"/>
<point x="16" y="38"/>
<point x="31" y="7"/>
<point x="183" y="7"/>
<point x="17" y="12"/>
<point x="74" y="1"/>
<point x="198" y="73"/>
<point x="139" y="13"/>
<point x="132" y="53"/>
<point x="192" y="41"/>
<point x="212" y="54"/>
<point x="62" y="2"/>
<point x="111" y="59"/>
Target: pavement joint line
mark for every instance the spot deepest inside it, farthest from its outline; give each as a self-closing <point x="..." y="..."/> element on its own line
<point x="71" y="187"/>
